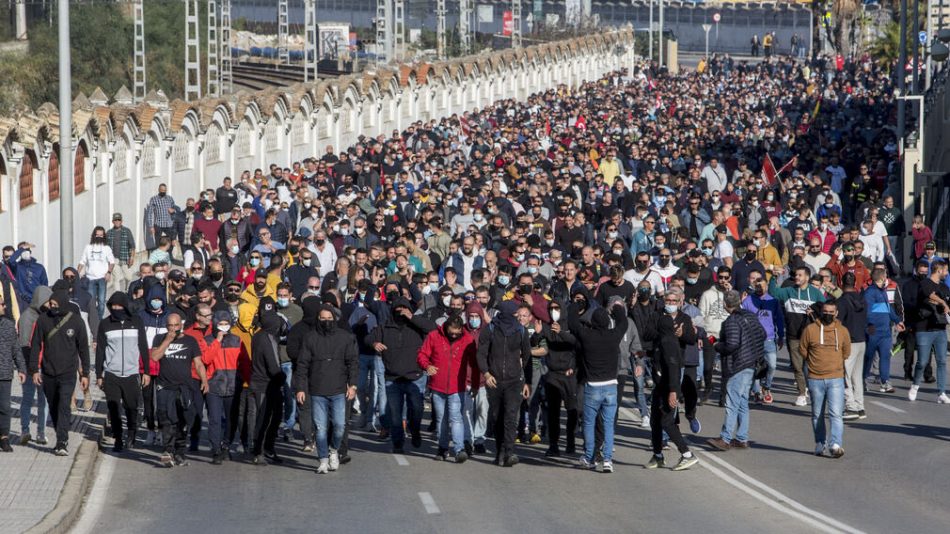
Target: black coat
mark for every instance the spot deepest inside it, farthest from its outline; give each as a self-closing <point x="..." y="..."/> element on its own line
<point x="600" y="347"/>
<point x="265" y="363"/>
<point x="403" y="341"/>
<point x="741" y="342"/>
<point x="507" y="358"/>
<point x="327" y="362"/>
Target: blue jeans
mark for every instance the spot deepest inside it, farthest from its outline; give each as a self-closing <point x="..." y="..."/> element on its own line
<point x="771" y="356"/>
<point x="330" y="408"/>
<point x="406" y="393"/>
<point x="31" y="392"/>
<point x="442" y="402"/>
<point x="938" y="341"/>
<point x="383" y="414"/>
<point x="290" y="403"/>
<point x="827" y="395"/>
<point x="737" y="406"/>
<point x="366" y="388"/>
<point x="639" y="387"/>
<point x="881" y="344"/>
<point x="97" y="288"/>
<point x="476" y="416"/>
<point x="599" y="401"/>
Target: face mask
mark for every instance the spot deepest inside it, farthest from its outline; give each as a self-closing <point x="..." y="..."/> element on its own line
<point x="708" y="251"/>
<point x="549" y="242"/>
<point x="293" y="250"/>
<point x="216" y="276"/>
<point x="474" y="322"/>
<point x="848" y="258"/>
<point x="532" y="270"/>
<point x="827" y="318"/>
<point x="26" y="256"/>
<point x="235" y="249"/>
<point x="640" y="264"/>
<point x="692" y="281"/>
<point x="156" y="304"/>
<point x="770" y="198"/>
<point x="447" y="300"/>
<point x="504" y="280"/>
<point x="555" y="315"/>
<point x="479" y="217"/>
<point x="670" y="308"/>
<point x="160" y="275"/>
<point x="758" y="186"/>
<point x="525" y="289"/>
<point x="612" y="235"/>
<point x="325" y="324"/>
<point x="521" y="257"/>
<point x="283" y="302"/>
<point x="224" y="328"/>
<point x="255" y="262"/>
<point x="664" y="262"/>
<point x="359" y="231"/>
<point x="749" y="256"/>
<point x="196" y="276"/>
<point x="643" y="293"/>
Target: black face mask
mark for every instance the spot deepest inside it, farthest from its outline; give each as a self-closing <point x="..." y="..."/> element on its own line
<point x="581" y="305"/>
<point x="293" y="250"/>
<point x="392" y="295"/>
<point x="320" y="242"/>
<point x="55" y="312"/>
<point x="119" y="313"/>
<point x="526" y="289"/>
<point x="750" y="256"/>
<point x="640" y="265"/>
<point x="216" y="276"/>
<point x="848" y="258"/>
<point x="232" y="297"/>
<point x="827" y="318"/>
<point x="325" y="325"/>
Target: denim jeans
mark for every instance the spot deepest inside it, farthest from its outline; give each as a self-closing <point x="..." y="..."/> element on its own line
<point x="737" y="406"/>
<point x="400" y="393"/>
<point x="383" y="414"/>
<point x="451" y="421"/>
<point x="219" y="415"/>
<point x="31" y="392"/>
<point x="599" y="401"/>
<point x="475" y="414"/>
<point x="97" y="288"/>
<point x="880" y="344"/>
<point x="366" y="388"/>
<point x="827" y="395"/>
<point x="290" y="403"/>
<point x="326" y="409"/>
<point x="771" y="356"/>
<point x="938" y="341"/>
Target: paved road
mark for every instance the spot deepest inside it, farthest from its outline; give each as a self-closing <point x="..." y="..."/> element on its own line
<point x="893" y="478"/>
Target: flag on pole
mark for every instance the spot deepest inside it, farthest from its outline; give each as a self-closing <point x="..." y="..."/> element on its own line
<point x="769" y="174"/>
<point x="788" y="166"/>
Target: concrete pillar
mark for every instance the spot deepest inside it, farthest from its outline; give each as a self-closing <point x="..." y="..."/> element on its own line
<point x="21" y="34"/>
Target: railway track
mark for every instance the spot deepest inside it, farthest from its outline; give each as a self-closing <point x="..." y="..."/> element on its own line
<point x="258" y="76"/>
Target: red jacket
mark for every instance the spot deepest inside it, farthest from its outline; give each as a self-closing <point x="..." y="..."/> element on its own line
<point x="455" y="361"/>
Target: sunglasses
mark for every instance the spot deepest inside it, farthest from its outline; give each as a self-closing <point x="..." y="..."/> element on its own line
<point x="314" y="288"/>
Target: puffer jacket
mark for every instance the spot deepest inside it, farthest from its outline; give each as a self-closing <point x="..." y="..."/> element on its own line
<point x="455" y="361"/>
<point x="11" y="357"/>
<point x="741" y="342"/>
<point x="507" y="358"/>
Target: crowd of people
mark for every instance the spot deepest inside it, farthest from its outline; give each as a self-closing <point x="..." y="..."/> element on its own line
<point x="500" y="267"/>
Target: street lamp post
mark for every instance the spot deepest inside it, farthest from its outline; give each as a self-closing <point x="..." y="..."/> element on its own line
<point x="66" y="186"/>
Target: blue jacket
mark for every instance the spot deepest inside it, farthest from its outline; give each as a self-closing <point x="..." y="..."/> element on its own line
<point x="456" y="262"/>
<point x="29" y="276"/>
<point x="880" y="313"/>
<point x="642" y="242"/>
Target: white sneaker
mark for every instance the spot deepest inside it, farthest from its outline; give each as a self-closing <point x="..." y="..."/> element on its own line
<point x="802" y="400"/>
<point x="150" y="438"/>
<point x="334" y="461"/>
<point x="943" y="399"/>
<point x="912" y="394"/>
<point x="645" y="421"/>
<point x="324" y="467"/>
<point x="584" y="464"/>
<point x="819" y="449"/>
<point x="608" y="467"/>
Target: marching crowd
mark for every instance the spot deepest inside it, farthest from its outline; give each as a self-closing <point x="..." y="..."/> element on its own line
<point x="500" y="267"/>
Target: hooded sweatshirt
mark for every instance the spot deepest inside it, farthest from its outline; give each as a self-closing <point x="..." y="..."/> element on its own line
<point x="265" y="366"/>
<point x="404" y="339"/>
<point x="154" y="322"/>
<point x="121" y="345"/>
<point x="504" y="349"/>
<point x="853" y="314"/>
<point x="796" y="301"/>
<point x="59" y="345"/>
<point x="825" y="348"/>
<point x="29" y="317"/>
<point x="327" y="362"/>
<point x="600" y="343"/>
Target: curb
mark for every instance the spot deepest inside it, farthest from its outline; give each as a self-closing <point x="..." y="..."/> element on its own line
<point x="78" y="483"/>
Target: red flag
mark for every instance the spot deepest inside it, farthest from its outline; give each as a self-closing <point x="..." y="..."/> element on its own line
<point x="769" y="173"/>
<point x="547" y="127"/>
<point x="788" y="166"/>
<point x="464" y="126"/>
<point x="581" y="123"/>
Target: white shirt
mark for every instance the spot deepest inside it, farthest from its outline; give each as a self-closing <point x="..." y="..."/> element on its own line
<point x="326" y="257"/>
<point x="96" y="259"/>
<point x="651" y="276"/>
<point x="873" y="247"/>
<point x="724" y="250"/>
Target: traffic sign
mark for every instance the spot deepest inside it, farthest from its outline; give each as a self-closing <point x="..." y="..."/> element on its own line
<point x="922" y="37"/>
<point x="707" y="27"/>
<point x="716" y="17"/>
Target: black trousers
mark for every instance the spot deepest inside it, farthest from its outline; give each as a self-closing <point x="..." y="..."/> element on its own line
<point x="268" y="410"/>
<point x="175" y="410"/>
<point x="910" y="357"/>
<point x="504" y="401"/>
<point x="122" y="393"/>
<point x="662" y="417"/>
<point x="242" y="420"/>
<point x="690" y="391"/>
<point x="599" y="423"/>
<point x="305" y="418"/>
<point x="561" y="389"/>
<point x="219" y="417"/>
<point x="709" y="363"/>
<point x="6" y="410"/>
<point x="345" y="442"/>
<point x="59" y="391"/>
<point x="148" y="404"/>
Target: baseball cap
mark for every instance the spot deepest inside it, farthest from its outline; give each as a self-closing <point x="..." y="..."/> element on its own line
<point x="116" y="216"/>
<point x="176" y="275"/>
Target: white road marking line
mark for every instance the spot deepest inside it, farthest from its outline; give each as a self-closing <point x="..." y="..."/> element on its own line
<point x="429" y="503"/>
<point x="401" y="459"/>
<point x="888" y="407"/>
<point x="628" y="413"/>
<point x="781" y="502"/>
<point x="97" y="498"/>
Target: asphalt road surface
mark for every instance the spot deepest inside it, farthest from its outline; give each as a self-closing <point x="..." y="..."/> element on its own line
<point x="893" y="477"/>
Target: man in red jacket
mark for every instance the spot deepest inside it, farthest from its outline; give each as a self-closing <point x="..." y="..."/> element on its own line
<point x="448" y="356"/>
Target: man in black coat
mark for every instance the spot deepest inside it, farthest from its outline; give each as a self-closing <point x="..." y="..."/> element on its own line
<point x="267" y="379"/>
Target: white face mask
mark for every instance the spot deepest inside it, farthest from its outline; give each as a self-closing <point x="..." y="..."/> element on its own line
<point x="306" y="263"/>
<point x="555" y="315"/>
<point x="26" y="256"/>
<point x="447" y="300"/>
<point x="160" y="275"/>
<point x="224" y="328"/>
<point x="235" y="250"/>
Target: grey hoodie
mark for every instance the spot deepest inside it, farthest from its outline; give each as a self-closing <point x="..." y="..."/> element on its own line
<point x="41" y="296"/>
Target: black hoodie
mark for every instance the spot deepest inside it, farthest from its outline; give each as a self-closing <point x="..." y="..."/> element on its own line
<point x="60" y="345"/>
<point x="298" y="332"/>
<point x="853" y="314"/>
<point x="328" y="361"/>
<point x="403" y="339"/>
<point x="265" y="360"/>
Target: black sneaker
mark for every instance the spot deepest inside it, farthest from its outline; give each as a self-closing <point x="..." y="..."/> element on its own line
<point x="480" y="448"/>
<point x="118" y="447"/>
<point x="5" y="444"/>
<point x="130" y="440"/>
<point x="851" y="415"/>
<point x="862" y="414"/>
<point x="469" y="450"/>
<point x="416" y="440"/>
<point x="345" y="458"/>
<point x="441" y="454"/>
<point x="193" y="447"/>
<point x="217" y="458"/>
<point x="399" y="450"/>
<point x="61" y="450"/>
<point x="570" y="449"/>
<point x="460" y="457"/>
<point x="552" y="452"/>
<point x="511" y="460"/>
<point x="273" y="458"/>
<point x="180" y="460"/>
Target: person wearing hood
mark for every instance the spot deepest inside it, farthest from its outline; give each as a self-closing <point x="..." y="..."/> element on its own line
<point x="12" y="364"/>
<point x="560" y="382"/>
<point x="267" y="379"/>
<point x="327" y="367"/>
<point x="599" y="358"/>
<point x="826" y="346"/>
<point x="31" y="393"/>
<point x="853" y="314"/>
<point x="60" y="337"/>
<point x="28" y="272"/>
<point x="121" y="358"/>
<point x="399" y="341"/>
<point x="154" y="320"/>
<point x="295" y="339"/>
<point x="475" y="410"/>
<point x="504" y="358"/>
<point x="223" y="358"/>
<point x="292" y="314"/>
